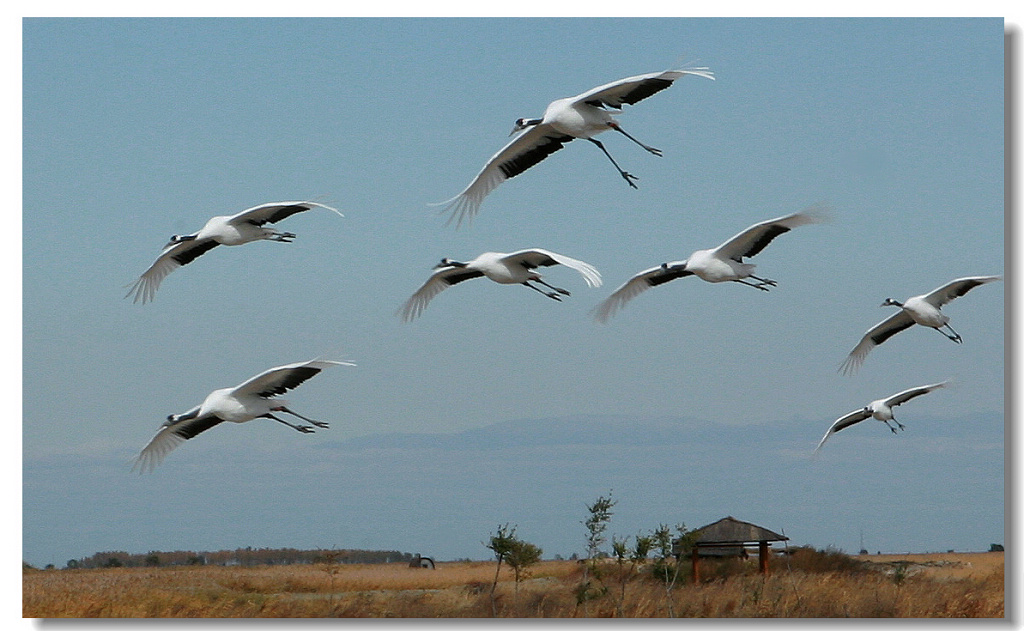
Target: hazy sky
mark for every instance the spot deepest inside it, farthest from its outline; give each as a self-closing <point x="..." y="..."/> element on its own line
<point x="138" y="129"/>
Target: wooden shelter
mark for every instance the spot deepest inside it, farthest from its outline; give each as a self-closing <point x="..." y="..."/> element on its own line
<point x="730" y="537"/>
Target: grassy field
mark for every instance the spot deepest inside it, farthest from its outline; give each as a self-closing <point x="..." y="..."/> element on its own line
<point x="935" y="585"/>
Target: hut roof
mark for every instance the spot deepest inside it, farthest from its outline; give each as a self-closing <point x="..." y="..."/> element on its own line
<point x="733" y="531"/>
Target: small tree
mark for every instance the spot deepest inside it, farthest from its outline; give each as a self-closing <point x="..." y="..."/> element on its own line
<point x="600" y="514"/>
<point x="520" y="557"/>
<point x="666" y="565"/>
<point x="502" y="543"/>
<point x="635" y="557"/>
<point x="327" y="560"/>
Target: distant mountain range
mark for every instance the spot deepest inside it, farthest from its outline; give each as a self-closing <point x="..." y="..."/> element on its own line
<point x="570" y="430"/>
<point x="623" y="430"/>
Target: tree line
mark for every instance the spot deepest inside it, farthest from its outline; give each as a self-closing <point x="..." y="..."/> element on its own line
<point x="241" y="556"/>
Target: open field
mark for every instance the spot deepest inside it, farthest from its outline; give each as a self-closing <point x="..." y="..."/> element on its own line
<point x="936" y="585"/>
<point x="943" y="565"/>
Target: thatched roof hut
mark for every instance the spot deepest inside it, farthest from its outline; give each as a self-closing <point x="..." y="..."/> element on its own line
<point x="730" y="530"/>
<point x="729" y="537"/>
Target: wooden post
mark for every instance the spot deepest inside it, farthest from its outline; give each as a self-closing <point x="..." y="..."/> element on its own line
<point x="762" y="555"/>
<point x="696" y="565"/>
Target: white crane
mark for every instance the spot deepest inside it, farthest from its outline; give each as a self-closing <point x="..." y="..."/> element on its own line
<point x="237" y="229"/>
<point x="924" y="310"/>
<point x="581" y="116"/>
<point x="880" y="409"/>
<point x="717" y="265"/>
<point x="515" y="268"/>
<point x="245" y="402"/>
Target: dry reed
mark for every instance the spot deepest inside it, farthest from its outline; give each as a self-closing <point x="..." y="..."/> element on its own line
<point x="462" y="590"/>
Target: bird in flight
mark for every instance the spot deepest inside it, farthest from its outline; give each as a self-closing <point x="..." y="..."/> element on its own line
<point x="717" y="265"/>
<point x="880" y="409"/>
<point x="238" y="229"/>
<point x="924" y="310"/>
<point x="515" y="268"/>
<point x="581" y="116"/>
<point x="249" y="400"/>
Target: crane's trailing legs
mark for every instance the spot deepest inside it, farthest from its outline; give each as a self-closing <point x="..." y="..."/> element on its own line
<point x="283" y="237"/>
<point x="629" y="177"/>
<point x="564" y="292"/>
<point x="764" y="281"/>
<point x="320" y="424"/>
<point x="616" y="127"/>
<point x="893" y="429"/>
<point x="955" y="337"/>
<point x="549" y="294"/>
<point x="305" y="429"/>
<point x="759" y="285"/>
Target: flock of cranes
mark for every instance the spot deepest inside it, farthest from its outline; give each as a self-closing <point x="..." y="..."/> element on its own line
<point x="581" y="116"/>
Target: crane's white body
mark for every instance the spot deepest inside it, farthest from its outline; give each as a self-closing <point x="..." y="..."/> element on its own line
<point x="223" y="231"/>
<point x="716" y="265"/>
<point x="925" y="310"/>
<point x="501" y="268"/>
<point x="507" y="269"/>
<point x="708" y="265"/>
<point x="231" y="404"/>
<point x="880" y="410"/>
<point x="581" y="116"/>
<point x="237" y="229"/>
<point x="249" y="400"/>
<point x="924" y="313"/>
<point x="575" y="118"/>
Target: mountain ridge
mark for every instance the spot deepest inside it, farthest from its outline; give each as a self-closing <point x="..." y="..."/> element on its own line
<point x="617" y="429"/>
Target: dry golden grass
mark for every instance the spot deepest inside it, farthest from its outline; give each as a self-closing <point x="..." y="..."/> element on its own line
<point x="974" y="588"/>
<point x="943" y="565"/>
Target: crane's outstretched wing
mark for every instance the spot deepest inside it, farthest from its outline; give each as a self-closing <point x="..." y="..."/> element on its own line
<point x="521" y="153"/>
<point x="910" y="393"/>
<point x="956" y="288"/>
<point x="635" y="89"/>
<point x="637" y="285"/>
<point x="275" y="211"/>
<point x="283" y="378"/>
<point x="875" y="335"/>
<point x="843" y="422"/>
<point x="440" y="280"/>
<point x="173" y="256"/>
<point x="536" y="257"/>
<point x="757" y="237"/>
<point x="172" y="434"/>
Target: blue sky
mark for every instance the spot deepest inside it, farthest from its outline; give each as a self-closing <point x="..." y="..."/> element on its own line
<point x="138" y="129"/>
